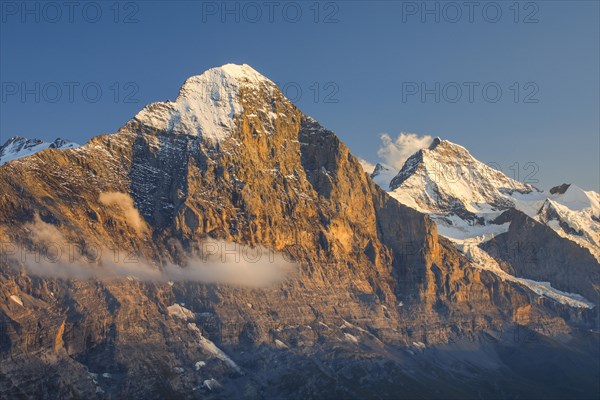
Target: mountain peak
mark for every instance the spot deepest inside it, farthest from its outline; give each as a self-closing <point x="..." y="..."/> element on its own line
<point x="463" y="195"/>
<point x="382" y="175"/>
<point x="438" y="144"/>
<point x="241" y="71"/>
<point x="18" y="143"/>
<point x="228" y="75"/>
<point x="378" y="168"/>
<point x="18" y="147"/>
<point x="453" y="180"/>
<point x="560" y="189"/>
<point x="13" y="139"/>
<point x="207" y="104"/>
<point x="19" y="140"/>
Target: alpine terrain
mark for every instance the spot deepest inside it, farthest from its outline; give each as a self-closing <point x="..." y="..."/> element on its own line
<point x="17" y="147"/>
<point x="226" y="245"/>
<point x="485" y="213"/>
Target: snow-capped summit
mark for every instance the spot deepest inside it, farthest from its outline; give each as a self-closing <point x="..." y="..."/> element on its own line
<point x="382" y="175"/>
<point x="207" y="104"/>
<point x="560" y="189"/>
<point x="447" y="178"/>
<point x="575" y="215"/>
<point x="18" y="147"/>
<point x="577" y="199"/>
<point x="464" y="196"/>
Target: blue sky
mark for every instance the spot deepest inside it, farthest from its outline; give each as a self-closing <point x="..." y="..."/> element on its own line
<point x="361" y="69"/>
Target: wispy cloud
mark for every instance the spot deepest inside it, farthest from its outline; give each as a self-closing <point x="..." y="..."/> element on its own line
<point x="123" y="204"/>
<point x="366" y="165"/>
<point x="394" y="152"/>
<point x="52" y="254"/>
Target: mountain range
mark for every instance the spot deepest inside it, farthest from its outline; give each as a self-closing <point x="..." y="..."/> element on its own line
<point x="225" y="244"/>
<point x="17" y="147"/>
<point x="464" y="195"/>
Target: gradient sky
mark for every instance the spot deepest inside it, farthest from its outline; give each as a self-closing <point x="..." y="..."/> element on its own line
<point x="361" y="58"/>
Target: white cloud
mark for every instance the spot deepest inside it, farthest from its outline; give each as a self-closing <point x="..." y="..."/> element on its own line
<point x="366" y="165"/>
<point x="394" y="152"/>
<point x="52" y="254"/>
<point x="124" y="204"/>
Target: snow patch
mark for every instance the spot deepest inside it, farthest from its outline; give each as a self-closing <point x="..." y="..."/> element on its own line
<point x="211" y="384"/>
<point x="17" y="300"/>
<point x="207" y="105"/>
<point x="419" y="345"/>
<point x="211" y="348"/>
<point x="178" y="311"/>
<point x="457" y="229"/>
<point x="351" y="338"/>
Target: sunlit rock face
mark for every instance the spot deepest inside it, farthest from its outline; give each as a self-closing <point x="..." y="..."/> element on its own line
<point x="232" y="166"/>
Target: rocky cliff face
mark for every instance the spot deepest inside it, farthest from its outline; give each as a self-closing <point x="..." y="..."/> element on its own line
<point x="232" y="161"/>
<point x="534" y="251"/>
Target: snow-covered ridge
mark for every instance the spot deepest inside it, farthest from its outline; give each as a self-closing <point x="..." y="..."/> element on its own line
<point x="207" y="104"/>
<point x="382" y="175"/>
<point x="575" y="215"/>
<point x="18" y="147"/>
<point x="452" y="179"/>
<point x="464" y="196"/>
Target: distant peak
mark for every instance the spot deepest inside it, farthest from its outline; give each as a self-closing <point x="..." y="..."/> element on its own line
<point x="20" y="141"/>
<point x="18" y="147"/>
<point x="13" y="139"/>
<point x="439" y="144"/>
<point x="379" y="167"/>
<point x="560" y="189"/>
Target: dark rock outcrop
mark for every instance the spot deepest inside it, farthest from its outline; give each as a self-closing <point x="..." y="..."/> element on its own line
<point x="532" y="250"/>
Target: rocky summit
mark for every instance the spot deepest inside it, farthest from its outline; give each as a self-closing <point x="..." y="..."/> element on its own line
<point x="226" y="245"/>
